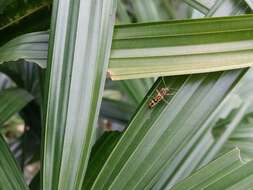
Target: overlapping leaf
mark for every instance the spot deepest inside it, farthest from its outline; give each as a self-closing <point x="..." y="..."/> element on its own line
<point x="181" y="47"/>
<point x="157" y="140"/>
<point x="171" y="48"/>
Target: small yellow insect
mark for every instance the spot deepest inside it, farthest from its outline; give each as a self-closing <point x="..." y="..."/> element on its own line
<point x="161" y="94"/>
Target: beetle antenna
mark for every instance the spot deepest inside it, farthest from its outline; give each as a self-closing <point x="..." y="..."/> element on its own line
<point x="164" y="82"/>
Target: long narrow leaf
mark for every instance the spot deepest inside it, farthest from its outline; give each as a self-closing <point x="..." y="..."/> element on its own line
<point x="181" y="47"/>
<point x="78" y="56"/>
<point x="177" y="47"/>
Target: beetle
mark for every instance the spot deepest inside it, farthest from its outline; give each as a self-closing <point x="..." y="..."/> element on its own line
<point x="160" y="95"/>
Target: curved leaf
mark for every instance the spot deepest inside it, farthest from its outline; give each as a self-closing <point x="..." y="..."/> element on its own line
<point x="32" y="47"/>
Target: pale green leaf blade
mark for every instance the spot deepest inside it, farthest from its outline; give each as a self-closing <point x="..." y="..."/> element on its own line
<point x="79" y="52"/>
<point x="178" y="47"/>
<point x="181" y="47"/>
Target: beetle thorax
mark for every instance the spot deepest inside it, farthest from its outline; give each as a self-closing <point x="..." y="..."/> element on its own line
<point x="164" y="91"/>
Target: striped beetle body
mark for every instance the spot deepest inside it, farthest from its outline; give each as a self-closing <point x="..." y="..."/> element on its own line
<point x="161" y="94"/>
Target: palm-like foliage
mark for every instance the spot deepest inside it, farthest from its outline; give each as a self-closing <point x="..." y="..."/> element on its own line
<point x="208" y="114"/>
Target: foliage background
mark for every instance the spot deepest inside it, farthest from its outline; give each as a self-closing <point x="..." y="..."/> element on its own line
<point x="228" y="123"/>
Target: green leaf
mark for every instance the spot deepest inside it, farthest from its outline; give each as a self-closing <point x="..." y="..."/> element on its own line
<point x="158" y="139"/>
<point x="12" y="101"/>
<point x="79" y="52"/>
<point x="99" y="154"/>
<point x="167" y="48"/>
<point x="226" y="172"/>
<point x="10" y="174"/>
<point x="188" y="165"/>
<point x="241" y="136"/>
<point x="223" y="138"/>
<point x="181" y="47"/>
<point x="32" y="47"/>
<point x="208" y="147"/>
<point x="233" y="122"/>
